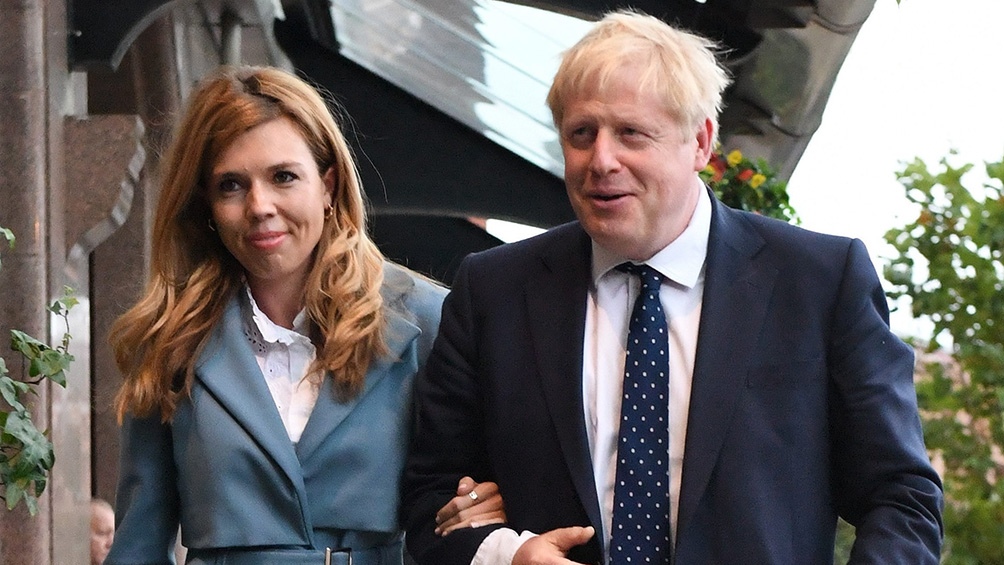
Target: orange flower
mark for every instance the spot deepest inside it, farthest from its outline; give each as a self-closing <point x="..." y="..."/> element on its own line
<point x="746" y="175"/>
<point x="715" y="168"/>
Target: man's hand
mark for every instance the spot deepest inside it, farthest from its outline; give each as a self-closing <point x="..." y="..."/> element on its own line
<point x="551" y="547"/>
<point x="467" y="510"/>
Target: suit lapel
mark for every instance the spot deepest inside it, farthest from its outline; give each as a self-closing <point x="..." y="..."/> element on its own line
<point x="556" y="302"/>
<point x="329" y="413"/>
<point x="229" y="372"/>
<point x="737" y="289"/>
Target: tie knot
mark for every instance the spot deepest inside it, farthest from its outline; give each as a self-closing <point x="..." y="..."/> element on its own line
<point x="651" y="279"/>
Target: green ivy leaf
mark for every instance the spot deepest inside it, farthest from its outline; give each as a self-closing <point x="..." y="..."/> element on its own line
<point x="13" y="492"/>
<point x="51" y="364"/>
<point x="9" y="236"/>
<point x="26" y="454"/>
<point x="25" y="344"/>
<point x="12" y="391"/>
<point x="63" y="304"/>
<point x="36" y="449"/>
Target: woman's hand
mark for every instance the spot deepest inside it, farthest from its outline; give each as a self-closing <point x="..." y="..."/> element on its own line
<point x="476" y="505"/>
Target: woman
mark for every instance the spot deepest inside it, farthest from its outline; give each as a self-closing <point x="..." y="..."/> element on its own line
<point x="268" y="367"/>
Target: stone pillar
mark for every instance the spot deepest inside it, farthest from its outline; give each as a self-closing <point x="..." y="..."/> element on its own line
<point x="25" y="276"/>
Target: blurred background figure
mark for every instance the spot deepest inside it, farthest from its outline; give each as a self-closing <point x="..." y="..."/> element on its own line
<point x="102" y="529"/>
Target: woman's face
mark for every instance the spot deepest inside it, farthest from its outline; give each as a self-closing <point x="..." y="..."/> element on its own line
<point x="268" y="202"/>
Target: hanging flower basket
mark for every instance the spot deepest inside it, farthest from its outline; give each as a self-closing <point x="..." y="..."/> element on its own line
<point x="748" y="185"/>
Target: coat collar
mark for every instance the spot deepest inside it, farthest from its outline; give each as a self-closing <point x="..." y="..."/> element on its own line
<point x="228" y="370"/>
<point x="559" y="289"/>
<point x="399" y="331"/>
<point x="736" y="293"/>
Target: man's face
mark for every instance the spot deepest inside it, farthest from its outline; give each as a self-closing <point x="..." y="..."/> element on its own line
<point x="630" y="170"/>
<point x="102" y="532"/>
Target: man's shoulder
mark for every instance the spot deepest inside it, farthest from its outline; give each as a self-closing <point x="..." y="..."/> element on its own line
<point x="791" y="238"/>
<point x="557" y="241"/>
<point x="563" y="249"/>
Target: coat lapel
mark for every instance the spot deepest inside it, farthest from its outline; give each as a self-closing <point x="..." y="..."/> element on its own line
<point x="737" y="289"/>
<point x="556" y="302"/>
<point x="329" y="413"/>
<point x="229" y="372"/>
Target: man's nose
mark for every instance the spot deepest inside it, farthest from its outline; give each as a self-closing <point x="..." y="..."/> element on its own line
<point x="604" y="158"/>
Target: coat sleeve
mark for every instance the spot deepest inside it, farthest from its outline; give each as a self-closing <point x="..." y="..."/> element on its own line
<point x="885" y="485"/>
<point x="146" y="502"/>
<point x="448" y="440"/>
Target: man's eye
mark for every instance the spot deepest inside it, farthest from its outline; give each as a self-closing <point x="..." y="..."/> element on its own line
<point x="580" y="136"/>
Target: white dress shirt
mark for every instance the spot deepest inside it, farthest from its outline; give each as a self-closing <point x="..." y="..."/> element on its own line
<point x="284" y="357"/>
<point x="608" y="310"/>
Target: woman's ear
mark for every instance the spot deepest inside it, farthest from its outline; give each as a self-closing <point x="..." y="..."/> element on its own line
<point x="329" y="185"/>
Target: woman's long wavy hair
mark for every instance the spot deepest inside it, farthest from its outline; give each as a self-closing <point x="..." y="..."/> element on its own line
<point x="193" y="276"/>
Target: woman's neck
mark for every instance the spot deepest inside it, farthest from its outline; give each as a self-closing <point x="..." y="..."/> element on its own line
<point x="280" y="302"/>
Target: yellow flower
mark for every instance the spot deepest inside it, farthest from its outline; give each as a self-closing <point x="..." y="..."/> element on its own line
<point x="757" y="180"/>
<point x="734" y="157"/>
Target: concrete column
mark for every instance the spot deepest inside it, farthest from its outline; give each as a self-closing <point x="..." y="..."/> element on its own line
<point x="24" y="278"/>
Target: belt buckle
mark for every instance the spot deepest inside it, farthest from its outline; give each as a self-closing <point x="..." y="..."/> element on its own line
<point x="345" y="550"/>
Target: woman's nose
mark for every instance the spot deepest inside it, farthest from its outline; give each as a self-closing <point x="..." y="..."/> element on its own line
<point x="260" y="200"/>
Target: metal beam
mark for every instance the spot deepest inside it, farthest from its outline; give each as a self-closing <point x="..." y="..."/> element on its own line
<point x="101" y="31"/>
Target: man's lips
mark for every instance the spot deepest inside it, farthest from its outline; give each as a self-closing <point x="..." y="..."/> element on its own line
<point x="265" y="240"/>
<point x="602" y="197"/>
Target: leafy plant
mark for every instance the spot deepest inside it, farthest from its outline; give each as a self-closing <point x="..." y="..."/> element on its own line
<point x="748" y="185"/>
<point x="26" y="454"/>
<point x="950" y="263"/>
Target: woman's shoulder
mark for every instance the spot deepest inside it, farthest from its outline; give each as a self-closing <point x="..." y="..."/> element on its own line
<point x="412" y="293"/>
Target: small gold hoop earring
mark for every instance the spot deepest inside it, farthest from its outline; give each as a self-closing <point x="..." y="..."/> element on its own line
<point x="329" y="211"/>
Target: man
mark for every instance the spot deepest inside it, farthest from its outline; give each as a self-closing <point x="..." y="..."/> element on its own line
<point x="102" y="529"/>
<point x="786" y="398"/>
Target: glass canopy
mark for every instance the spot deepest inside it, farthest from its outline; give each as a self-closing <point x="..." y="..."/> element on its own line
<point x="486" y="63"/>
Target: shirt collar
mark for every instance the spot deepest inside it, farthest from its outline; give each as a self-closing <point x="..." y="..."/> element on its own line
<point x="272" y="332"/>
<point x="681" y="261"/>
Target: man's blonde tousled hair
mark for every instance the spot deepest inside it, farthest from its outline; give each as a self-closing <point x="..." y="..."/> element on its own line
<point x="681" y="68"/>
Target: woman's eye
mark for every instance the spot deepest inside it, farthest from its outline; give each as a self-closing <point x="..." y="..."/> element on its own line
<point x="228" y="186"/>
<point x="284" y="177"/>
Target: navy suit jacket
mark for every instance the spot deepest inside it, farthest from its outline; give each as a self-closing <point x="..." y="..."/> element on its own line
<point x="802" y="408"/>
<point x="225" y="469"/>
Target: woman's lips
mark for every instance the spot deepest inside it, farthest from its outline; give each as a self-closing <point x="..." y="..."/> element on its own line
<point x="266" y="240"/>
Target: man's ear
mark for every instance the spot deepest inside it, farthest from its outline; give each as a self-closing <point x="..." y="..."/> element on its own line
<point x="705" y="134"/>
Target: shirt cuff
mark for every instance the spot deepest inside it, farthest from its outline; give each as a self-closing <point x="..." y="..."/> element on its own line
<point x="500" y="546"/>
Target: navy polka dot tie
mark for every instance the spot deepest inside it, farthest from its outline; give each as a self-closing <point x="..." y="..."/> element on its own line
<point x="641" y="493"/>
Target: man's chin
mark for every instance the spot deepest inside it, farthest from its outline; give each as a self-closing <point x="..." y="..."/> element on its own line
<point x="618" y="240"/>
